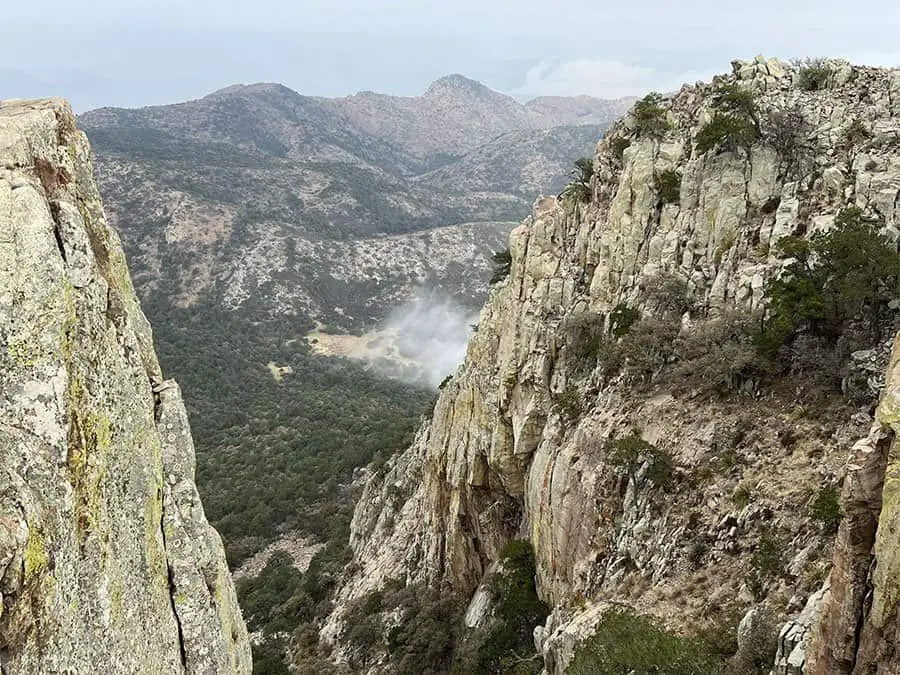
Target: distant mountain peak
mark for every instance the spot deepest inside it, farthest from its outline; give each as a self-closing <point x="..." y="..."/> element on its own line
<point x="456" y="83"/>
<point x="255" y="88"/>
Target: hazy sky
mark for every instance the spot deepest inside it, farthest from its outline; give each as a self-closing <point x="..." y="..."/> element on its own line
<point x="138" y="52"/>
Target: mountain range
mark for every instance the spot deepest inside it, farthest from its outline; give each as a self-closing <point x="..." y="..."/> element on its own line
<point x="257" y="195"/>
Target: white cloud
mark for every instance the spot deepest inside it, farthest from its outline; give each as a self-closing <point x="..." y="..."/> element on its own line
<point x="601" y="78"/>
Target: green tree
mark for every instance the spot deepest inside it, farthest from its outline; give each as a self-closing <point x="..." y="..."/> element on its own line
<point x="632" y="452"/>
<point x="650" y="116"/>
<point x="848" y="272"/>
<point x="726" y="132"/>
<point x="668" y="186"/>
<point x="580" y="187"/>
<point x="735" y="122"/>
<point x="502" y="265"/>
<point x="733" y="99"/>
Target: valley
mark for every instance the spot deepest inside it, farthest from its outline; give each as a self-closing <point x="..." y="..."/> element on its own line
<point x="313" y="269"/>
<point x="471" y="338"/>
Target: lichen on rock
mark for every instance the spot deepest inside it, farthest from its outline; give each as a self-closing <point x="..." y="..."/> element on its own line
<point x="101" y="527"/>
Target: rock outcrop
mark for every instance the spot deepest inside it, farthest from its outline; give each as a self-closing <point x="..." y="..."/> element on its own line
<point x="858" y="632"/>
<point x="517" y="444"/>
<point x="107" y="562"/>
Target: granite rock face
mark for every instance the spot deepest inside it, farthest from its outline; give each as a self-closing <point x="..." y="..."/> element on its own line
<point x="504" y="456"/>
<point x="859" y="629"/>
<point x="107" y="562"/>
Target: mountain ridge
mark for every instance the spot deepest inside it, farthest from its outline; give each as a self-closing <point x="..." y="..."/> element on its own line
<point x="313" y="169"/>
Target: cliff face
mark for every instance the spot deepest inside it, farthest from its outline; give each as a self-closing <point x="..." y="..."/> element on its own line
<point x="107" y="563"/>
<point x="505" y="456"/>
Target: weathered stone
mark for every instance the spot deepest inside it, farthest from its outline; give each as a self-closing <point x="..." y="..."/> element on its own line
<point x="794" y="636"/>
<point x="500" y="459"/>
<point x="107" y="563"/>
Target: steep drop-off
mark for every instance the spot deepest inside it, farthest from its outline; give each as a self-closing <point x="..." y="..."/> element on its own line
<point x="519" y="442"/>
<point x="107" y="562"/>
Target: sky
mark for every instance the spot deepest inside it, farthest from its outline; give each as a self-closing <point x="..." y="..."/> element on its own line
<point x="142" y="52"/>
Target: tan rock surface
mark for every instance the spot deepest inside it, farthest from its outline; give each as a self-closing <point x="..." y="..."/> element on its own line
<point x="107" y="562"/>
<point x="497" y="460"/>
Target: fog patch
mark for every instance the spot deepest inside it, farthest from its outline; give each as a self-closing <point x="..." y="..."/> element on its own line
<point x="432" y="332"/>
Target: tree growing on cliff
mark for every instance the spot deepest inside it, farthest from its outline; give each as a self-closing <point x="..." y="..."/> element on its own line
<point x="725" y="132"/>
<point x="502" y="265"/>
<point x="668" y="186"/>
<point x="580" y="187"/>
<point x="851" y="272"/>
<point x="787" y="131"/>
<point x="734" y="124"/>
<point x="650" y="116"/>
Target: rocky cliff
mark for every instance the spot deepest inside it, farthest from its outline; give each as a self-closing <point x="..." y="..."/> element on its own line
<point x="107" y="562"/>
<point x="519" y="444"/>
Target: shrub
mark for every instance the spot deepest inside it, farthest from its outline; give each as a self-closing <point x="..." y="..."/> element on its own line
<point x="618" y="146"/>
<point x="622" y="318"/>
<point x="855" y="134"/>
<point x="624" y="642"/>
<point x="502" y="265"/>
<point x="668" y="186"/>
<point x="611" y="359"/>
<point x="741" y="496"/>
<point x="514" y="589"/>
<point x="718" y="356"/>
<point x="580" y="187"/>
<point x="424" y="641"/>
<point x="668" y="294"/>
<point x="568" y="404"/>
<point x="850" y="271"/>
<point x="767" y="561"/>
<point x="585" y="336"/>
<point x="726" y="133"/>
<point x="787" y="132"/>
<point x="648" y="346"/>
<point x="813" y="74"/>
<point x="826" y="509"/>
<point x="420" y="636"/>
<point x="632" y="452"/>
<point x="719" y="630"/>
<point x="650" y="116"/>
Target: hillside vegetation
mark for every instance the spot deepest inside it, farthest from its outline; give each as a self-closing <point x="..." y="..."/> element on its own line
<point x="252" y="214"/>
